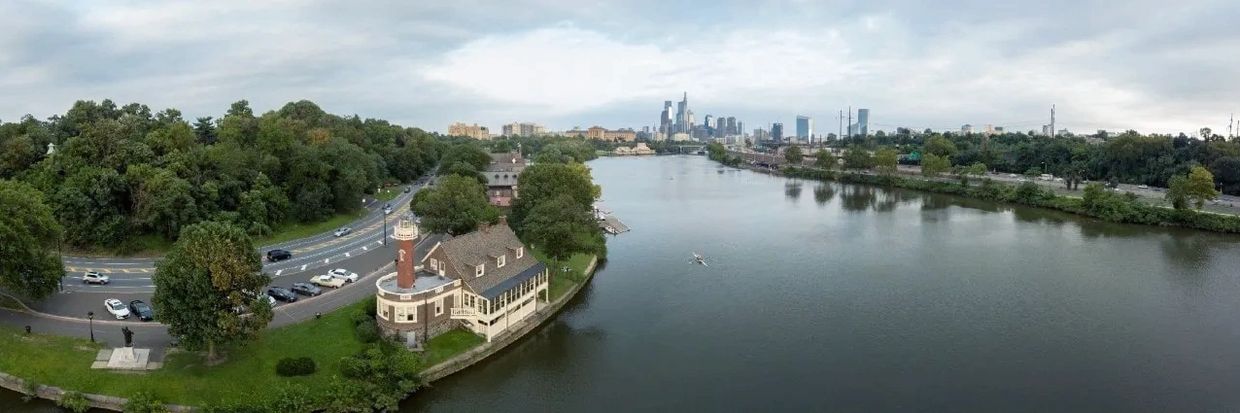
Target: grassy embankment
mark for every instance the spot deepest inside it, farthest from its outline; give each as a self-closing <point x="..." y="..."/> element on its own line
<point x="1104" y="205"/>
<point x="248" y="374"/>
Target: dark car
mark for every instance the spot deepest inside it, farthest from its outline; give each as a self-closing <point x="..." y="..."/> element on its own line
<point x="282" y="294"/>
<point x="278" y="255"/>
<point x="307" y="289"/>
<point x="142" y="310"/>
<point x="407" y="189"/>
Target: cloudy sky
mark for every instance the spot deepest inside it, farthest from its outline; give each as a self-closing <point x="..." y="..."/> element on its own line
<point x="1154" y="66"/>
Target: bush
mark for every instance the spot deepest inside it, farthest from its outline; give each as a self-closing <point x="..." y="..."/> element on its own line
<point x="30" y="390"/>
<point x="371" y="305"/>
<point x="368" y="331"/>
<point x="300" y="366"/>
<point x="358" y="317"/>
<point x="74" y="402"/>
<point x="144" y="402"/>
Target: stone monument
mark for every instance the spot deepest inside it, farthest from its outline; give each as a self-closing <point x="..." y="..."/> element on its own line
<point x="127" y="357"/>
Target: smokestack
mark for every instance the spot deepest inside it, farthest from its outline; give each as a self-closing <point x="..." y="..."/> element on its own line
<point x="406" y="233"/>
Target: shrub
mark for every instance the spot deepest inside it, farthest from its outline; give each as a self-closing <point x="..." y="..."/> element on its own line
<point x="371" y="304"/>
<point x="30" y="390"/>
<point x="144" y="402"/>
<point x="367" y="331"/>
<point x="300" y="366"/>
<point x="358" y="317"/>
<point x="74" y="402"/>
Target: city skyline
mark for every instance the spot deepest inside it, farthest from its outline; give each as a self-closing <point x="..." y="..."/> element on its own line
<point x="919" y="66"/>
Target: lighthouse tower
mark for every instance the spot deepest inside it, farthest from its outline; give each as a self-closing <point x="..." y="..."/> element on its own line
<point x="406" y="234"/>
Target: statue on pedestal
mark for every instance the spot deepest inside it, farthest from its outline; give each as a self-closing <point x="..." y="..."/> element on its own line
<point x="128" y="336"/>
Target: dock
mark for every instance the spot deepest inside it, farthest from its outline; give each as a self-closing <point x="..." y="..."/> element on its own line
<point x="612" y="225"/>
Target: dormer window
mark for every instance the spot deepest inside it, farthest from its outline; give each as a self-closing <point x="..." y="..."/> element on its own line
<point x="520" y="252"/>
<point x="479" y="270"/>
<point x="499" y="261"/>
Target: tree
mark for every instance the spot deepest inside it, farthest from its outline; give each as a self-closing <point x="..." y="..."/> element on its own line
<point x="460" y="168"/>
<point x="204" y="131"/>
<point x="210" y="274"/>
<point x="939" y="146"/>
<point x="1199" y="187"/>
<point x="561" y="227"/>
<point x="932" y="165"/>
<point x="794" y="155"/>
<point x="1177" y="192"/>
<point x="824" y="159"/>
<point x="885" y="160"/>
<point x="541" y="182"/>
<point x="857" y="158"/>
<point x="28" y="240"/>
<point x="456" y="205"/>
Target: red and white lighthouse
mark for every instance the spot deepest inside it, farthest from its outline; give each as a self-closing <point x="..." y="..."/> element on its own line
<point x="406" y="234"/>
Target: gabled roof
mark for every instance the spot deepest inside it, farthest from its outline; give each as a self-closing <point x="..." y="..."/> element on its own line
<point x="464" y="252"/>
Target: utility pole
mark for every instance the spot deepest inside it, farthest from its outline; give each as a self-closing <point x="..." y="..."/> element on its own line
<point x="1230" y="124"/>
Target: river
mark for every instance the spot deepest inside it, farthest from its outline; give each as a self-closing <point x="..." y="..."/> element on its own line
<point x="822" y="296"/>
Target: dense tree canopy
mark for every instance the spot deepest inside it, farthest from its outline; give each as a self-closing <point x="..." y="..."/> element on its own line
<point x="456" y="205"/>
<point x="122" y="172"/>
<point x="211" y="273"/>
<point x="28" y="237"/>
<point x="560" y="227"/>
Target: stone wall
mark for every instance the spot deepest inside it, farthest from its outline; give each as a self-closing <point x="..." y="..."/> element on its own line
<point x="476" y="354"/>
<point x="55" y="393"/>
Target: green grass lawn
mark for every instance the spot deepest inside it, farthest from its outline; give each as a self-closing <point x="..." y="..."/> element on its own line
<point x="446" y="345"/>
<point x="292" y="231"/>
<point x="10" y="303"/>
<point x="561" y="284"/>
<point x="247" y="374"/>
<point x="389" y="193"/>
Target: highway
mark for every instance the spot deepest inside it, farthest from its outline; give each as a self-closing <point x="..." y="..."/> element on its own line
<point x="362" y="251"/>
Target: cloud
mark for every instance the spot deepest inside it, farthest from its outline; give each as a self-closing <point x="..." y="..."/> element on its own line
<point x="611" y="63"/>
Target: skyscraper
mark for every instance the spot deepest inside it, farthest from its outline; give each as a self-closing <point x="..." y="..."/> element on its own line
<point x="732" y="126"/>
<point x="682" y="115"/>
<point x="777" y="132"/>
<point x="721" y="126"/>
<point x="665" y="119"/>
<point x="706" y="123"/>
<point x="863" y="121"/>
<point x="805" y="127"/>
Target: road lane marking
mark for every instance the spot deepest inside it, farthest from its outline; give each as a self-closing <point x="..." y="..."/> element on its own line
<point x="303" y="267"/>
<point x="278" y="272"/>
<point x="347" y="255"/>
<point x="365" y="248"/>
<point x="327" y="260"/>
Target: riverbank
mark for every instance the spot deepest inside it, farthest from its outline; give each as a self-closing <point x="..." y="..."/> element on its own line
<point x="59" y="365"/>
<point x="1104" y="205"/>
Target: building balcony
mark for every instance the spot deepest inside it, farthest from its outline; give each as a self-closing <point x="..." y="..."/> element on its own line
<point x="462" y="313"/>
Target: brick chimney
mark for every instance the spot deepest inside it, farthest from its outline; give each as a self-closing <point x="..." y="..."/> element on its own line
<point x="503" y="220"/>
<point x="406" y="233"/>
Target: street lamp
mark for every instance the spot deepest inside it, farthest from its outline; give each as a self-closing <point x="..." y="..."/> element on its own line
<point x="90" y="315"/>
<point x="385" y="228"/>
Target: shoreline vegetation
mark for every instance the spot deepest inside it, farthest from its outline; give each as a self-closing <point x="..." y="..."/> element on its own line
<point x="1096" y="203"/>
<point x="248" y="379"/>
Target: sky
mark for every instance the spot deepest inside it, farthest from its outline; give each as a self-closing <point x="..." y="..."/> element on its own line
<point x="1152" y="66"/>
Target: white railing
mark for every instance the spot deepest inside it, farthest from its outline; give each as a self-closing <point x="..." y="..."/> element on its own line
<point x="462" y="312"/>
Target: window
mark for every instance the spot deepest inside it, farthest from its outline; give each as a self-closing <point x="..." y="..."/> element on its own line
<point x="434" y="263"/>
<point x="499" y="261"/>
<point x="479" y="270"/>
<point x="520" y="252"/>
<point x="439" y="307"/>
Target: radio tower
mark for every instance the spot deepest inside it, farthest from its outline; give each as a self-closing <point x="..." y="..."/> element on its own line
<point x="1230" y="124"/>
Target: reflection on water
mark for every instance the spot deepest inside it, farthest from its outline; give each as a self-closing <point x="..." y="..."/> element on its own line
<point x="792" y="190"/>
<point x="823" y="193"/>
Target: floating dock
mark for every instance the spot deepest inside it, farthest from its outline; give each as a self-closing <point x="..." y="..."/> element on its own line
<point x="612" y="225"/>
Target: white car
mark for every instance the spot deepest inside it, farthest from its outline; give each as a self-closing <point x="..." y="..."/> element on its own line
<point x="92" y="277"/>
<point x="343" y="231"/>
<point x="343" y="274"/>
<point x="326" y="280"/>
<point x="116" y="308"/>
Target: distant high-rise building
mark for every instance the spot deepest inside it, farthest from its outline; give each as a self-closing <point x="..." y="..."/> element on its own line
<point x="721" y="126"/>
<point x="863" y="121"/>
<point x="1047" y="129"/>
<point x="732" y="126"/>
<point x="805" y="127"/>
<point x="665" y="119"/>
<point x="966" y="129"/>
<point x="740" y="128"/>
<point x="523" y="129"/>
<point x="682" y="115"/>
<point x="706" y="123"/>
<point x="470" y="131"/>
<point x="759" y="135"/>
<point x="777" y="132"/>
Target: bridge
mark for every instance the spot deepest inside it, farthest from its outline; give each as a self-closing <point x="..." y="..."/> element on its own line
<point x="688" y="148"/>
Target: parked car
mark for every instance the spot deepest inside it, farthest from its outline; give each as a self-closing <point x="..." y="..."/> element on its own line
<point x="1143" y="187"/>
<point x="116" y="308"/>
<point x="326" y="280"/>
<point x="142" y="310"/>
<point x="344" y="231"/>
<point x="306" y="289"/>
<point x="281" y="294"/>
<point x="343" y="274"/>
<point x="387" y="209"/>
<point x="91" y="277"/>
<point x="278" y="255"/>
<point x="408" y="189"/>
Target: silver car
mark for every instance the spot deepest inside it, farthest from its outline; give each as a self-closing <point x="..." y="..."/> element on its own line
<point x="344" y="231"/>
